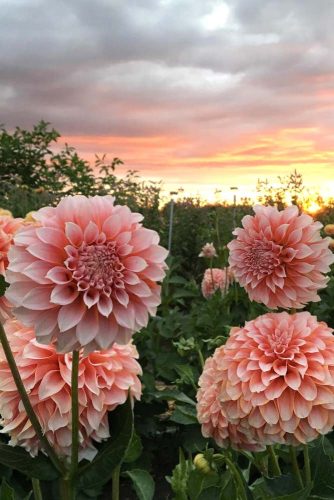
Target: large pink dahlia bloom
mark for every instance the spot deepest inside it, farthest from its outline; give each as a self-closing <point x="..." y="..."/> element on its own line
<point x="105" y="378"/>
<point x="280" y="257"/>
<point x="8" y="226"/>
<point x="272" y="382"/>
<point x="216" y="279"/>
<point x="87" y="275"/>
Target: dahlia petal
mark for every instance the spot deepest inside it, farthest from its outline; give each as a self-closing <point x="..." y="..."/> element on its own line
<point x="91" y="233"/>
<point x="59" y="275"/>
<point x="63" y="294"/>
<point x="37" y="271"/>
<point x="88" y="327"/>
<point x="91" y="297"/>
<point x="52" y="236"/>
<point x="112" y="226"/>
<point x="74" y="233"/>
<point x="269" y="413"/>
<point x="42" y="251"/>
<point x="70" y="315"/>
<point x="51" y="384"/>
<point x="135" y="264"/>
<point x="105" y="305"/>
<point x="38" y="299"/>
<point x="122" y="296"/>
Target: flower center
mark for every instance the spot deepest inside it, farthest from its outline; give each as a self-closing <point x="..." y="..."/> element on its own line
<point x="96" y="266"/>
<point x="262" y="257"/>
<point x="279" y="341"/>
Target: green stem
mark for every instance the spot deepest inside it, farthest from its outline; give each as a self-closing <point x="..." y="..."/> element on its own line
<point x="295" y="467"/>
<point x="200" y="355"/>
<point x="115" y="483"/>
<point x="237" y="477"/>
<point x="26" y="402"/>
<point x="307" y="466"/>
<point x="75" y="416"/>
<point x="274" y="461"/>
<point x="36" y="487"/>
<point x="65" y="489"/>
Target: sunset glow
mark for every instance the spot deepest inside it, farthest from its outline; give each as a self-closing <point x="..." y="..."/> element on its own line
<point x="200" y="95"/>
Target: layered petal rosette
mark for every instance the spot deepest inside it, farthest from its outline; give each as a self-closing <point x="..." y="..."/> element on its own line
<point x="280" y="257"/>
<point x="8" y="226"/>
<point x="105" y="380"/>
<point x="87" y="275"/>
<point x="216" y="279"/>
<point x="272" y="382"/>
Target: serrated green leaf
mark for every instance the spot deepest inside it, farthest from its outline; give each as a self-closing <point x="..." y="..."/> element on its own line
<point x="143" y="483"/>
<point x="112" y="453"/>
<point x="17" y="458"/>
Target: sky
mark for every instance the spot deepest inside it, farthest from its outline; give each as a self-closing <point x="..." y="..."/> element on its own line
<point x="202" y="94"/>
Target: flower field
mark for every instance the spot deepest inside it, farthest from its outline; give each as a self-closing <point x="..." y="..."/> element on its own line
<point x="130" y="372"/>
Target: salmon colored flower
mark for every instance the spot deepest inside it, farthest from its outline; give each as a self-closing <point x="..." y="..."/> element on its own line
<point x="105" y="378"/>
<point x="208" y="251"/>
<point x="8" y="226"/>
<point x="272" y="382"/>
<point x="216" y="279"/>
<point x="280" y="257"/>
<point x="87" y="275"/>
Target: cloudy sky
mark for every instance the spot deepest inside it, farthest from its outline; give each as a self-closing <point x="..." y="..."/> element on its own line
<point x="203" y="94"/>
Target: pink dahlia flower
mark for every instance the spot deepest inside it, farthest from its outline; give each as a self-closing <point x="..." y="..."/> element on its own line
<point x="87" y="275"/>
<point x="280" y="257"/>
<point x="105" y="378"/>
<point x="272" y="382"/>
<point x="216" y="279"/>
<point x="208" y="251"/>
<point x="8" y="226"/>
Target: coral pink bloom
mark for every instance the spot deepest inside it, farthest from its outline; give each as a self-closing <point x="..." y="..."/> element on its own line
<point x="105" y="377"/>
<point x="272" y="382"/>
<point x="216" y="279"/>
<point x="8" y="226"/>
<point x="280" y="257"/>
<point x="87" y="276"/>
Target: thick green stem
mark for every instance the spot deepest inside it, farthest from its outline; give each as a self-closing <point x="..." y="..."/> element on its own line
<point x="26" y="402"/>
<point x="237" y="477"/>
<point x="295" y="467"/>
<point x="65" y="489"/>
<point x="36" y="489"/>
<point x="115" y="483"/>
<point x="75" y="416"/>
<point x="274" y="461"/>
<point x="307" y="466"/>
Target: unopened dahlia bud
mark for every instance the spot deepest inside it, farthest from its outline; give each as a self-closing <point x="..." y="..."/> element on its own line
<point x="208" y="251"/>
<point x="201" y="464"/>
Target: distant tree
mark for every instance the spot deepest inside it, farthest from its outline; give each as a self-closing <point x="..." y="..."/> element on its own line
<point x="276" y="195"/>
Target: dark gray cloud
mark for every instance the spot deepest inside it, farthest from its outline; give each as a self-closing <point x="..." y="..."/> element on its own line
<point x="205" y="73"/>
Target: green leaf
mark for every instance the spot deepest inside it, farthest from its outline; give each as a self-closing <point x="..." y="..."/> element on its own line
<point x="17" y="458"/>
<point x="172" y="395"/>
<point x="6" y="492"/>
<point x="112" y="453"/>
<point x="284" y="487"/>
<point x="143" y="483"/>
<point x="134" y="450"/>
<point x="185" y="415"/>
